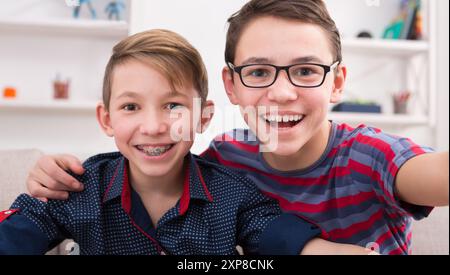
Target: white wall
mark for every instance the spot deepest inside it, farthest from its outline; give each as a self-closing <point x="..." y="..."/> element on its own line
<point x="442" y="135"/>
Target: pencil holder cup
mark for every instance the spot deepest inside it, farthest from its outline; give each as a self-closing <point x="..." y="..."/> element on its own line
<point x="400" y="107"/>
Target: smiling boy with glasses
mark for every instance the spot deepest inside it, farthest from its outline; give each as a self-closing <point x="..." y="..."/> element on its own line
<point x="361" y="185"/>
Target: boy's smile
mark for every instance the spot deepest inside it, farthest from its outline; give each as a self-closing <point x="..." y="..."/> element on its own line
<point x="154" y="150"/>
<point x="295" y="118"/>
<point x="283" y="121"/>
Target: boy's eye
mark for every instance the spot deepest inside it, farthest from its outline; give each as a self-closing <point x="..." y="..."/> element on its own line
<point x="259" y="73"/>
<point x="130" y="107"/>
<point x="173" y="105"/>
<point x="300" y="71"/>
<point x="256" y="72"/>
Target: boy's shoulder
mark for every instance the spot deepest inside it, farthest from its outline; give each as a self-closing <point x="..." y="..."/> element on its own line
<point x="371" y="143"/>
<point x="237" y="142"/>
<point x="243" y="136"/>
<point x="99" y="170"/>
<point x="222" y="177"/>
<point x="102" y="161"/>
<point x="347" y="131"/>
<point x="362" y="134"/>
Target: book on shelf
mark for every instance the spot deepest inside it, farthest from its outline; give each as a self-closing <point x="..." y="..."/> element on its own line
<point x="412" y="20"/>
<point x="408" y="24"/>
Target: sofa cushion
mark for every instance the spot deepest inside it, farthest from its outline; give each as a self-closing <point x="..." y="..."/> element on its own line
<point x="431" y="235"/>
<point x="14" y="168"/>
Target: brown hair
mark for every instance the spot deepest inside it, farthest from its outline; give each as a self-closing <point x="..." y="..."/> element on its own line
<point x="167" y="52"/>
<point x="308" y="11"/>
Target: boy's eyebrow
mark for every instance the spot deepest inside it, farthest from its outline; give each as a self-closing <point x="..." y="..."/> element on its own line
<point x="256" y="60"/>
<point x="129" y="94"/>
<point x="263" y="60"/>
<point x="307" y="59"/>
<point x="170" y="93"/>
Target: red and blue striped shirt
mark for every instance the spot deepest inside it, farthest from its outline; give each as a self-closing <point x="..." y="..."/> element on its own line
<point x="348" y="192"/>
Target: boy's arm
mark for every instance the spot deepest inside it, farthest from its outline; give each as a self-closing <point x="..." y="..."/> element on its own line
<point x="292" y="235"/>
<point x="263" y="229"/>
<point x="28" y="228"/>
<point x="322" y="247"/>
<point x="424" y="180"/>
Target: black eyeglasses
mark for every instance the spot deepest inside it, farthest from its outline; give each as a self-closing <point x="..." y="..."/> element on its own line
<point x="304" y="75"/>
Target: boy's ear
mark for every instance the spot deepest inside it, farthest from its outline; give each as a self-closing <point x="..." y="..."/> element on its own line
<point x="339" y="84"/>
<point x="228" y="82"/>
<point x="104" y="119"/>
<point x="207" y="115"/>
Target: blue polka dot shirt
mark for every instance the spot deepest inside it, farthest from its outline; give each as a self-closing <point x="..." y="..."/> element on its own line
<point x="218" y="210"/>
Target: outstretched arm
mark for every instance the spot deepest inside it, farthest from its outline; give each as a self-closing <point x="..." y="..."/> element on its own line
<point x="424" y="180"/>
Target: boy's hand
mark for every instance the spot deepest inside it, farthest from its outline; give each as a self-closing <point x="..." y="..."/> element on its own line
<point x="322" y="247"/>
<point x="49" y="179"/>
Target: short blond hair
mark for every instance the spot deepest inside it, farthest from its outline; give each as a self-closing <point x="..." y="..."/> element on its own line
<point x="168" y="53"/>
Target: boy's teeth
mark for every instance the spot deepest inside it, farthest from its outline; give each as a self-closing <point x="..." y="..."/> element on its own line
<point x="154" y="151"/>
<point x="286" y="118"/>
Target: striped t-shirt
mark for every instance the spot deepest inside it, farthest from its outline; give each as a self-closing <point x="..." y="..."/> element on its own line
<point x="348" y="192"/>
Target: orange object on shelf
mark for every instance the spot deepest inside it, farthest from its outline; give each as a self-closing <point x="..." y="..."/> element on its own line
<point x="9" y="92"/>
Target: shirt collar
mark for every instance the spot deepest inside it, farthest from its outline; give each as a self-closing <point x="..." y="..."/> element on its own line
<point x="194" y="185"/>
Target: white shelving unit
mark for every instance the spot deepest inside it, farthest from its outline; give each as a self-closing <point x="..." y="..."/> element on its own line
<point x="412" y="67"/>
<point x="81" y="27"/>
<point x="48" y="106"/>
<point x="380" y="119"/>
<point x="403" y="48"/>
<point x="40" y="39"/>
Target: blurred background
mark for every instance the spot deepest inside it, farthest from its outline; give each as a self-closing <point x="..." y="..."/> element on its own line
<point x="52" y="63"/>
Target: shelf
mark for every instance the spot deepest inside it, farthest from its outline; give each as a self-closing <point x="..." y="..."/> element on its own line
<point x="379" y="119"/>
<point x="97" y="28"/>
<point x="69" y="106"/>
<point x="403" y="48"/>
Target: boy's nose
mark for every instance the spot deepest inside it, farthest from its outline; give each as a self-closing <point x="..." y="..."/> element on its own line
<point x="154" y="126"/>
<point x="282" y="90"/>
